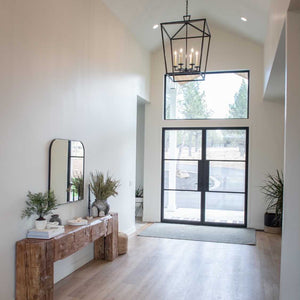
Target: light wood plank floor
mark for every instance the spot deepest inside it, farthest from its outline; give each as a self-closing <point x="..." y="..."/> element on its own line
<point x="165" y="269"/>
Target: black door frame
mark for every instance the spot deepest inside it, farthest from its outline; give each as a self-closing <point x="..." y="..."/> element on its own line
<point x="202" y="222"/>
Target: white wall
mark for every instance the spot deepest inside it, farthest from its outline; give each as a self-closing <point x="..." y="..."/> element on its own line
<point x="228" y="52"/>
<point x="290" y="263"/>
<point x="277" y="17"/>
<point x="69" y="69"/>
<point x="275" y="90"/>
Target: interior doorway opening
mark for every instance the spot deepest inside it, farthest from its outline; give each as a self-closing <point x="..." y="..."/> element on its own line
<point x="139" y="180"/>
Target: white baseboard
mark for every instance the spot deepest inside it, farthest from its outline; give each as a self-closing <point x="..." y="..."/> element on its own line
<point x="130" y="230"/>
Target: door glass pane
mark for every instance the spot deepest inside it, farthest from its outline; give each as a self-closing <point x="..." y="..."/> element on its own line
<point x="227" y="176"/>
<point x="225" y="208"/>
<point x="226" y="144"/>
<point x="183" y="144"/>
<point x="179" y="205"/>
<point x="181" y="175"/>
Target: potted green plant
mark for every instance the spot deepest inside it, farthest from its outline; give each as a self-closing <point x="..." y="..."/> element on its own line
<point x="139" y="192"/>
<point x="273" y="192"/>
<point x="103" y="187"/>
<point x="41" y="205"/>
<point x="77" y="186"/>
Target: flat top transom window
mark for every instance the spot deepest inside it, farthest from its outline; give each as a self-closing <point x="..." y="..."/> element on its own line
<point x="223" y="95"/>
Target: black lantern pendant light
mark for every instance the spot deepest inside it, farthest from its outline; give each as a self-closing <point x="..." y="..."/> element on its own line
<point x="186" y="46"/>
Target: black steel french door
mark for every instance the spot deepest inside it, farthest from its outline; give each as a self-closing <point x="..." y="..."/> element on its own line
<point x="204" y="176"/>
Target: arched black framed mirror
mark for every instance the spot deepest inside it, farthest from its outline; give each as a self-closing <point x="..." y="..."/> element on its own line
<point x="66" y="170"/>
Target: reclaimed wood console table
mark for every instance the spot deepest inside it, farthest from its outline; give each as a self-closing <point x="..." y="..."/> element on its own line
<point x="35" y="257"/>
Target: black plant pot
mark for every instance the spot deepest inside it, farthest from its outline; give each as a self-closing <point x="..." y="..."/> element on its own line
<point x="271" y="220"/>
<point x="272" y="223"/>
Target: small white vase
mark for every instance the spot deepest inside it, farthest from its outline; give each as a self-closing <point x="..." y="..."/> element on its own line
<point x="40" y="224"/>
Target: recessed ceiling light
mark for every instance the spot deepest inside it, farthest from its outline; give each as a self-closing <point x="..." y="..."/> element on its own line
<point x="244" y="19"/>
<point x="155" y="26"/>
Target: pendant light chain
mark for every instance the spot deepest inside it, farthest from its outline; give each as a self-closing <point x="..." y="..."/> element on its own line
<point x="187" y="7"/>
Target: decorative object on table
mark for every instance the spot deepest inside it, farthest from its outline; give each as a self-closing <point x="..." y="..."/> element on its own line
<point x="41" y="205"/>
<point x="45" y="233"/>
<point x="139" y="193"/>
<point x="122" y="243"/>
<point x="273" y="192"/>
<point x="185" y="48"/>
<point x="52" y="225"/>
<point x="95" y="212"/>
<point x="78" y="222"/>
<point x="102" y="188"/>
<point x="55" y="218"/>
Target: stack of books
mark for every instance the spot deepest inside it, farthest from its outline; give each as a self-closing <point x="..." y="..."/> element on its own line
<point x="45" y="233"/>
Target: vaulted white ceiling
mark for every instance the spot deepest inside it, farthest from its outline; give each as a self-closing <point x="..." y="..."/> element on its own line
<point x="140" y="16"/>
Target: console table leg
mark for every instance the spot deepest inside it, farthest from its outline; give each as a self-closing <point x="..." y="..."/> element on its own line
<point x="111" y="240"/>
<point x="99" y="249"/>
<point x="21" y="290"/>
<point x="34" y="270"/>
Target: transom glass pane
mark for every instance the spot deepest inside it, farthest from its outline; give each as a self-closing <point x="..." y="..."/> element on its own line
<point x="219" y="96"/>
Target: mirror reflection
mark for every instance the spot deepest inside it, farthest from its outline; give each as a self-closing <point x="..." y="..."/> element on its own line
<point x="66" y="170"/>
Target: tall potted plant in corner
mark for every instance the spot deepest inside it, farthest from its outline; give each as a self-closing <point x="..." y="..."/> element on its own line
<point x="273" y="192"/>
<point x="41" y="205"/>
<point x="102" y="188"/>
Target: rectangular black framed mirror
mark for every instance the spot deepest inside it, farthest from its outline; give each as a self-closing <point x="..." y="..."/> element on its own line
<point x="66" y="170"/>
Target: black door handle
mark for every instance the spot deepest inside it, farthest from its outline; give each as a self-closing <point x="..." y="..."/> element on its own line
<point x="203" y="175"/>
